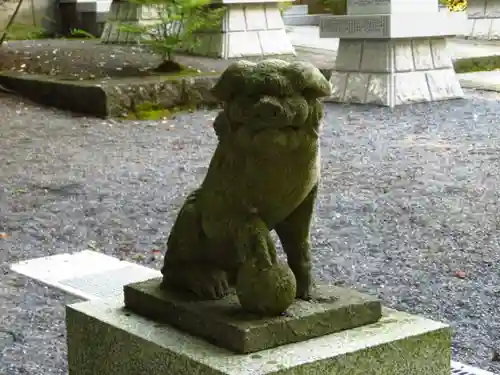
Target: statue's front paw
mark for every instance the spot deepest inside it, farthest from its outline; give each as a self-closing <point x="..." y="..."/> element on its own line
<point x="209" y="284"/>
<point x="304" y="290"/>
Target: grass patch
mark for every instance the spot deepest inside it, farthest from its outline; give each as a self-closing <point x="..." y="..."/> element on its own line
<point x="154" y="112"/>
<point x="19" y="31"/>
<point x="148" y="111"/>
<point x="477" y="64"/>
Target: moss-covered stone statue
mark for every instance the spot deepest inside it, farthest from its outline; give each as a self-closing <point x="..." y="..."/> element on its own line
<point x="263" y="176"/>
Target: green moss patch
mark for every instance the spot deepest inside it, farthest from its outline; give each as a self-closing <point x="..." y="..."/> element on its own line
<point x="477" y="64"/>
<point x="155" y="112"/>
<point x="19" y="31"/>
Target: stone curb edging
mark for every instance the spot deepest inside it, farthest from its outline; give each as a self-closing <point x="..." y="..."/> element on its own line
<point x="111" y="98"/>
<point x="118" y="97"/>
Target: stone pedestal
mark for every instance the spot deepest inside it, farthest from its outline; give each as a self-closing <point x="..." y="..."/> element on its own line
<point x="224" y="323"/>
<point x="483" y="19"/>
<point x="122" y="13"/>
<point x="106" y="339"/>
<point x="87" y="15"/>
<point x="393" y="52"/>
<point x="248" y="28"/>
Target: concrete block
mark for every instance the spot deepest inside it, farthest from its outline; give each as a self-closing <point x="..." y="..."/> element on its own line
<point x="275" y="42"/>
<point x="349" y="55"/>
<point x="440" y="54"/>
<point x="476" y="8"/>
<point x="403" y="56"/>
<point x="105" y="339"/>
<point x="394" y="72"/>
<point x="483" y="20"/>
<point x="338" y="79"/>
<point x="422" y="54"/>
<point x="494" y="29"/>
<point x="492" y="8"/>
<point x="235" y="19"/>
<point x="481" y="28"/>
<point x="273" y="18"/>
<point x="379" y="89"/>
<point x="378" y="56"/>
<point x="356" y="87"/>
<point x="410" y="87"/>
<point x="246" y="43"/>
<point x="443" y="84"/>
<point x="255" y="17"/>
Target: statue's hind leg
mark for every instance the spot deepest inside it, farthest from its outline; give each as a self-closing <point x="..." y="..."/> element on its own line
<point x="187" y="265"/>
<point x="294" y="236"/>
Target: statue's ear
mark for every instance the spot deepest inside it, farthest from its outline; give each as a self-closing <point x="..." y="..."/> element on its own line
<point x="308" y="80"/>
<point x="233" y="80"/>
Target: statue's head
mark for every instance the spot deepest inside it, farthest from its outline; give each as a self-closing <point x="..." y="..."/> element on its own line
<point x="272" y="94"/>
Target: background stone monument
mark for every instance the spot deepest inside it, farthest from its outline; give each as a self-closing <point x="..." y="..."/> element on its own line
<point x="122" y="13"/>
<point x="483" y="19"/>
<point x="248" y="28"/>
<point x="393" y="52"/>
<point x="88" y="15"/>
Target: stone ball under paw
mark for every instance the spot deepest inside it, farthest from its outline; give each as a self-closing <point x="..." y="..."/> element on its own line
<point x="267" y="292"/>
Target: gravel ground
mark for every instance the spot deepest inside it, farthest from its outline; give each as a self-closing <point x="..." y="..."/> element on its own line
<point x="408" y="199"/>
<point x="71" y="59"/>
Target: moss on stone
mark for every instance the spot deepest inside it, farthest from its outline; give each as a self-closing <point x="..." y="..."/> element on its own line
<point x="148" y="111"/>
<point x="330" y="309"/>
<point x="153" y="112"/>
<point x="263" y="176"/>
<point x="477" y="64"/>
<point x="266" y="292"/>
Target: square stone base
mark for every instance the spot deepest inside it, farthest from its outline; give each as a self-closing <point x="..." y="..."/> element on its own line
<point x="483" y="19"/>
<point x="224" y="323"/>
<point x="105" y="339"/>
<point x="247" y="29"/>
<point x="483" y="28"/>
<point x="394" y="72"/>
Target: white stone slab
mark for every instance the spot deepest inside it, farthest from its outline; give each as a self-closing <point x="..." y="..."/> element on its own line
<point x="458" y="368"/>
<point x="402" y="25"/>
<point x="489" y="81"/>
<point x="86" y="274"/>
